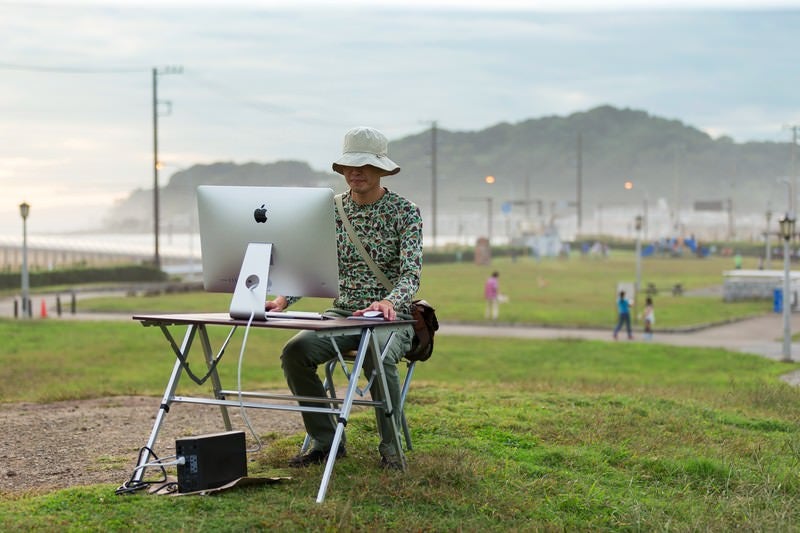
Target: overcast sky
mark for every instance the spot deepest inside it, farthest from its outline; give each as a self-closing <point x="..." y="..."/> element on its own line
<point x="263" y="83"/>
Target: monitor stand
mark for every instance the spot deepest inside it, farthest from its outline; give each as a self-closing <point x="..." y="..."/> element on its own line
<point x="250" y="294"/>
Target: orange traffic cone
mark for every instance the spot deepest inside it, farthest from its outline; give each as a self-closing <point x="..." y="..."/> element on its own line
<point x="44" y="309"/>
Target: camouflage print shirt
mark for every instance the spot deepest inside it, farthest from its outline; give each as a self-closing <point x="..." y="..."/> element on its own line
<point x="391" y="231"/>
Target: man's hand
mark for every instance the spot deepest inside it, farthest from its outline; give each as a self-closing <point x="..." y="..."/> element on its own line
<point x="384" y="306"/>
<point x="278" y="304"/>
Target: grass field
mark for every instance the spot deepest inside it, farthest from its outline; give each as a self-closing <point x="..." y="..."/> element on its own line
<point x="509" y="435"/>
<point x="579" y="292"/>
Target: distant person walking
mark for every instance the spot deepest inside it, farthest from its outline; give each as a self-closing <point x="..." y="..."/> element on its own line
<point x="623" y="315"/>
<point x="491" y="291"/>
<point x="737" y="261"/>
<point x="649" y="316"/>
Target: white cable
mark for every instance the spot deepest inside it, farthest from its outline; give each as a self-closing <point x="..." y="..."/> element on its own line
<point x="239" y="385"/>
<point x="178" y="461"/>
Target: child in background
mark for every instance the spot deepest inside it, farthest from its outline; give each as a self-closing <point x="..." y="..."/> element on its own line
<point x="491" y="291"/>
<point x="649" y="316"/>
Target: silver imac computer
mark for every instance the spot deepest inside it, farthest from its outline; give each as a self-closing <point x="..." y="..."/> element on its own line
<point x="259" y="241"/>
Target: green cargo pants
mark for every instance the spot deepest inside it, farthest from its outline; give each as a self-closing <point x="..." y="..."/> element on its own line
<point x="306" y="351"/>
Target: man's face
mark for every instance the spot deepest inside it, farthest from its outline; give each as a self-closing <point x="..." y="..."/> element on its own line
<point x="363" y="180"/>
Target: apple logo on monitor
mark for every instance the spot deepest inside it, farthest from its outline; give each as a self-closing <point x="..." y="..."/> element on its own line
<point x="260" y="214"/>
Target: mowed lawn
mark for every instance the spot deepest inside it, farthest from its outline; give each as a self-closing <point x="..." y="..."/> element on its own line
<point x="578" y="292"/>
<point x="509" y="434"/>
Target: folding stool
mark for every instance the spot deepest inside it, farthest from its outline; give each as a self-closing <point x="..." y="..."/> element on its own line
<point x="330" y="390"/>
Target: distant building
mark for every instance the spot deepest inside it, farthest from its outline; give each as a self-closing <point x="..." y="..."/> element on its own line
<point x="546" y="243"/>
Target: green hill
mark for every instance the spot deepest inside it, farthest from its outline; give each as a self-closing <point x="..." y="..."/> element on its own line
<point x="535" y="160"/>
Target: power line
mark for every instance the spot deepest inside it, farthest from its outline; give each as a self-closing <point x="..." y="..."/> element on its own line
<point x="219" y="89"/>
<point x="235" y="96"/>
<point x="231" y="94"/>
<point x="72" y="70"/>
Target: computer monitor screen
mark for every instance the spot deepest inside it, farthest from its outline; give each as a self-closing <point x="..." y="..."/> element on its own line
<point x="299" y="224"/>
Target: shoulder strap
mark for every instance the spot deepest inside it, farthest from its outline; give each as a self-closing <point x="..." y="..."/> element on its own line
<point x="360" y="247"/>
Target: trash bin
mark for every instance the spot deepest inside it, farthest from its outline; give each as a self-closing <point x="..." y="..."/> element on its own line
<point x="777" y="300"/>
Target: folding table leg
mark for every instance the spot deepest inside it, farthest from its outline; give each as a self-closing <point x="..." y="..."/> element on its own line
<point x="344" y="413"/>
<point x="166" y="400"/>
<point x="209" y="357"/>
<point x="383" y="385"/>
<point x="403" y="394"/>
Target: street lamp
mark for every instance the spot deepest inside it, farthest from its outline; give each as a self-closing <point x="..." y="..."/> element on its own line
<point x="489" y="180"/>
<point x="768" y="250"/>
<point x="628" y="185"/>
<point x="787" y="231"/>
<point x="24" y="210"/>
<point x="638" y="264"/>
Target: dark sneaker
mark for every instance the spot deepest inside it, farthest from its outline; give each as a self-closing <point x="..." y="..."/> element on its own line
<point x="314" y="457"/>
<point x="393" y="462"/>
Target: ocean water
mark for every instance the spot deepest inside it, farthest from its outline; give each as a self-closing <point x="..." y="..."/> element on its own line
<point x="612" y="221"/>
<point x="186" y="245"/>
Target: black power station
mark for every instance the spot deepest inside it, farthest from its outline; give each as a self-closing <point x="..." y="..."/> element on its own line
<point x="211" y="460"/>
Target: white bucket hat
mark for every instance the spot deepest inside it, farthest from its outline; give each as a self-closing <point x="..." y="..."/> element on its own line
<point x="366" y="146"/>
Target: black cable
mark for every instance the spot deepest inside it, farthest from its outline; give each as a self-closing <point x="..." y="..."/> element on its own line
<point x="133" y="485"/>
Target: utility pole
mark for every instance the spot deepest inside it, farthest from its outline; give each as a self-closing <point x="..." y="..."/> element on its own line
<point x="676" y="193"/>
<point x="156" y="256"/>
<point x="793" y="157"/>
<point x="528" y="198"/>
<point x="156" y="163"/>
<point x="731" y="231"/>
<point x="794" y="170"/>
<point x="768" y="251"/>
<point x="433" y="179"/>
<point x="579" y="196"/>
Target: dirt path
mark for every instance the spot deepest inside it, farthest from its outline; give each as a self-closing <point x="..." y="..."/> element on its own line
<point x="84" y="442"/>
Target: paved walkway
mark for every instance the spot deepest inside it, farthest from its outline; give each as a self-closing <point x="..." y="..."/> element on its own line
<point x="762" y="335"/>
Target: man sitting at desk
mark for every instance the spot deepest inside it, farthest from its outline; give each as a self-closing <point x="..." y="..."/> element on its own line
<point x="390" y="228"/>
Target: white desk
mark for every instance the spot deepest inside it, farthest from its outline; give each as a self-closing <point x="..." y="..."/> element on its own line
<point x="196" y="328"/>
